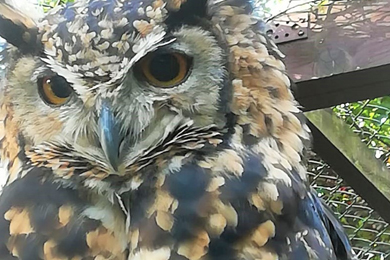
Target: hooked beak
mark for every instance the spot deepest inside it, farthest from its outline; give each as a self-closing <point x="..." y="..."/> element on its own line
<point x="109" y="134"/>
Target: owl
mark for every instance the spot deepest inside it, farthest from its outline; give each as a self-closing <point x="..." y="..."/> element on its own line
<point x="153" y="130"/>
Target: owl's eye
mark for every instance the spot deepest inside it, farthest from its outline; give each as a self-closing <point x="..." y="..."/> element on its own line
<point x="54" y="90"/>
<point x="164" y="69"/>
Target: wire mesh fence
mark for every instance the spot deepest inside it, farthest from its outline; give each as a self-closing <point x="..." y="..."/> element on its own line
<point x="369" y="233"/>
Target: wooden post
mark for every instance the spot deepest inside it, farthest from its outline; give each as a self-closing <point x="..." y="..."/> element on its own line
<point x="336" y="144"/>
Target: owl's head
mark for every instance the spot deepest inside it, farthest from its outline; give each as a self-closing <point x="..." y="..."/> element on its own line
<point x="110" y="87"/>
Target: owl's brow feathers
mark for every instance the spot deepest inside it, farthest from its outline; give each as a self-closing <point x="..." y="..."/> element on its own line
<point x="77" y="49"/>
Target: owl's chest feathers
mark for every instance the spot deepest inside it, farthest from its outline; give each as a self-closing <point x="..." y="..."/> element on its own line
<point x="183" y="203"/>
<point x="227" y="197"/>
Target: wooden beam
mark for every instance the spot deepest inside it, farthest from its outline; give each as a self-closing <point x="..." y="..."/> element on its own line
<point x="341" y="36"/>
<point x="343" y="150"/>
<point x="343" y="88"/>
<point x="338" y="52"/>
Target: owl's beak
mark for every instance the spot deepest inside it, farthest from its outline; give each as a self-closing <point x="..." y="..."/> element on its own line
<point x="109" y="134"/>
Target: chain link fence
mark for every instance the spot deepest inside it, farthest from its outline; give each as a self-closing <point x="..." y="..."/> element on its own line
<point x="369" y="233"/>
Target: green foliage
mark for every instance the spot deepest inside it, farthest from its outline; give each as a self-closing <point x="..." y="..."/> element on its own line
<point x="49" y="4"/>
<point x="370" y="119"/>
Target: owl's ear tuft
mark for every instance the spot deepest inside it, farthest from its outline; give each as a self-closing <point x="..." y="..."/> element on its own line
<point x="18" y="29"/>
<point x="230" y="6"/>
<point x="188" y="12"/>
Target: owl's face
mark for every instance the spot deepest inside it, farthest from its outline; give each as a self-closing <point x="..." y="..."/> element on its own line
<point x="111" y="85"/>
<point x="113" y="91"/>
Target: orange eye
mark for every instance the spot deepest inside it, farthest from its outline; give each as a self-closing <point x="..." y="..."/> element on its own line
<point x="163" y="69"/>
<point x="54" y="90"/>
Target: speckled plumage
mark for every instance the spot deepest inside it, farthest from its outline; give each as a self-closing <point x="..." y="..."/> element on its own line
<point x="210" y="168"/>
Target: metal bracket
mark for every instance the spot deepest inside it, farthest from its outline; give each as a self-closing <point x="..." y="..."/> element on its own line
<point x="288" y="31"/>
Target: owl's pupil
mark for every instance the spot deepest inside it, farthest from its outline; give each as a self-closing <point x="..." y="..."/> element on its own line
<point x="164" y="67"/>
<point x="60" y="87"/>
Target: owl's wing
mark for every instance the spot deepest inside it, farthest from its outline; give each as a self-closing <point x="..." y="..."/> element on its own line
<point x="39" y="219"/>
<point x="277" y="215"/>
<point x="320" y="234"/>
<point x="336" y="231"/>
